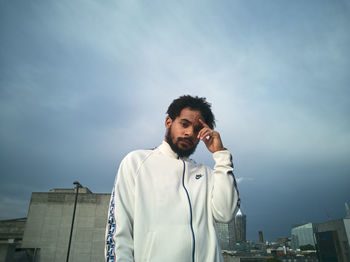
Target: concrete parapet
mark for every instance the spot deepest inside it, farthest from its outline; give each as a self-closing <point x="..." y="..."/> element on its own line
<point x="49" y="222"/>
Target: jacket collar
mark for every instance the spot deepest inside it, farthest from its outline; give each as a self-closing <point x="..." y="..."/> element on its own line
<point x="166" y="150"/>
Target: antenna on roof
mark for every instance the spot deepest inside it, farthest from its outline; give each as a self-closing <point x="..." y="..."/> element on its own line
<point x="328" y="215"/>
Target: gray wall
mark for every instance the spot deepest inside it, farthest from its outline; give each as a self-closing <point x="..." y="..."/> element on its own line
<point x="11" y="233"/>
<point x="49" y="222"/>
<point x="340" y="227"/>
<point x="347" y="229"/>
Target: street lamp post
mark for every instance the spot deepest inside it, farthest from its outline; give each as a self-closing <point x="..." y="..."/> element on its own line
<point x="77" y="186"/>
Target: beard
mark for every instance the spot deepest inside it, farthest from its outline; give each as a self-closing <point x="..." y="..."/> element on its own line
<point x="175" y="146"/>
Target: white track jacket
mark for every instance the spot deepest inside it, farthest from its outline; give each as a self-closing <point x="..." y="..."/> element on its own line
<point x="163" y="208"/>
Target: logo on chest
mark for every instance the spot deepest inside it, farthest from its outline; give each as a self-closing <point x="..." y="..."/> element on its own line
<point x="199" y="176"/>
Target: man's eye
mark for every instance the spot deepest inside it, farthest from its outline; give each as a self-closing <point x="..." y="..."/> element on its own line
<point x="184" y="125"/>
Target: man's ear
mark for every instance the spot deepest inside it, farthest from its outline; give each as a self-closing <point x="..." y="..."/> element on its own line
<point x="168" y="122"/>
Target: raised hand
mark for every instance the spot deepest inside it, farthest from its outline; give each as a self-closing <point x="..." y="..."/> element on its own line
<point x="210" y="137"/>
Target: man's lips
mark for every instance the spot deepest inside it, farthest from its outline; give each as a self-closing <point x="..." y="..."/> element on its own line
<point x="188" y="142"/>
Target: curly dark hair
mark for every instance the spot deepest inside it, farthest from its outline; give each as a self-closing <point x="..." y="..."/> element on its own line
<point x="194" y="103"/>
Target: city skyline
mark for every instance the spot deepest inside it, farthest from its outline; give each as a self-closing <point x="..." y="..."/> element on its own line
<point x="84" y="83"/>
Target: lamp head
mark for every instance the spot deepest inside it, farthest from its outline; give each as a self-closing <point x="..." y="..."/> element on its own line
<point x="77" y="184"/>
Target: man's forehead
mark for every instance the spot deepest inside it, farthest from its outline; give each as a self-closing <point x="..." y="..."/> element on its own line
<point x="190" y="115"/>
<point x="195" y="122"/>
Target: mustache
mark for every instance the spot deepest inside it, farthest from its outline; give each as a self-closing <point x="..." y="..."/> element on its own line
<point x="185" y="139"/>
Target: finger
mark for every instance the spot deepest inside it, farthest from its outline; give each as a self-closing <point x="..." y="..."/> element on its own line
<point x="203" y="131"/>
<point x="207" y="133"/>
<point x="207" y="140"/>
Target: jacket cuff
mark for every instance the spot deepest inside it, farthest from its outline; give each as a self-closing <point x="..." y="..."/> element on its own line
<point x="223" y="157"/>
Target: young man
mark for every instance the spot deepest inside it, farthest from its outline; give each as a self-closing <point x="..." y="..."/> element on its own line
<point x="163" y="204"/>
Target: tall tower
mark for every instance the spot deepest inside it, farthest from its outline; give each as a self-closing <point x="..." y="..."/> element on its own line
<point x="347" y="210"/>
<point x="261" y="238"/>
<point x="233" y="232"/>
<point x="240" y="227"/>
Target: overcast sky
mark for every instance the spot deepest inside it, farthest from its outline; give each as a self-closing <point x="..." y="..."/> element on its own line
<point x="84" y="82"/>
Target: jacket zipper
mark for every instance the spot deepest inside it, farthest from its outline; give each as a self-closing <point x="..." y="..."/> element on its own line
<point x="191" y="216"/>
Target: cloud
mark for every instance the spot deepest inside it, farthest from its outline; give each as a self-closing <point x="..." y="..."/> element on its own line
<point x="244" y="179"/>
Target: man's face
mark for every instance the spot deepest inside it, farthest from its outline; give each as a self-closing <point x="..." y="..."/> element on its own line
<point x="182" y="132"/>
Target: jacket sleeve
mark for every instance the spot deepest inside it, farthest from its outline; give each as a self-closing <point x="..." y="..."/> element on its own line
<point x="224" y="197"/>
<point x="119" y="232"/>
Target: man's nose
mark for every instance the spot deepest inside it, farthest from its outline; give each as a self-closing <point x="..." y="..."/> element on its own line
<point x="189" y="131"/>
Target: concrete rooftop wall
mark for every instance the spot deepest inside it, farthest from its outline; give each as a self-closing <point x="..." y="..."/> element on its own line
<point x="340" y="227"/>
<point x="12" y="229"/>
<point x="49" y="222"/>
<point x="11" y="233"/>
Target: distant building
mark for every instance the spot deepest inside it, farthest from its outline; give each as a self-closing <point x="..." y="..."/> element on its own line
<point x="332" y="239"/>
<point x="49" y="222"/>
<point x="284" y="241"/>
<point x="225" y="233"/>
<point x="240" y="227"/>
<point x="261" y="237"/>
<point x="347" y="210"/>
<point x="303" y="235"/>
<point x="11" y="235"/>
<point x="232" y="233"/>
